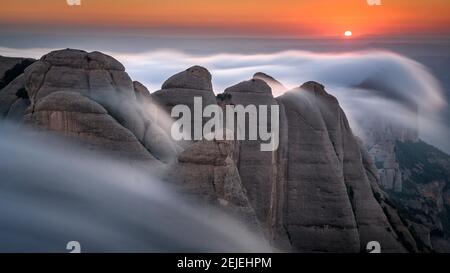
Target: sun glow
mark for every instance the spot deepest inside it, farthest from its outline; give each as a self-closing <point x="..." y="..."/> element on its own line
<point x="348" y="33"/>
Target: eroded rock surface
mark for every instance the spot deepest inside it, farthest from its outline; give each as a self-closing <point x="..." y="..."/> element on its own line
<point x="318" y="192"/>
<point x="85" y="96"/>
<point x="207" y="171"/>
<point x="262" y="172"/>
<point x="330" y="205"/>
<point x="181" y="89"/>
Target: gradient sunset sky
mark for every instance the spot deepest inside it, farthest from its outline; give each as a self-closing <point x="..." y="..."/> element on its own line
<point x="297" y="18"/>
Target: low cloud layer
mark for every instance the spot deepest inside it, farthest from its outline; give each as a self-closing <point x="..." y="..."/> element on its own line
<point x="53" y="192"/>
<point x="366" y="83"/>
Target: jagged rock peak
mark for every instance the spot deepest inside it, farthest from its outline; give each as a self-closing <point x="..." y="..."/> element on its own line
<point x="76" y="58"/>
<point x="141" y="90"/>
<point x="195" y="77"/>
<point x="315" y="87"/>
<point x="263" y="76"/>
<point x="277" y="87"/>
<point x="250" y="86"/>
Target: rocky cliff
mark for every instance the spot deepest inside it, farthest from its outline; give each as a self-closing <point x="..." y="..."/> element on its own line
<point x="413" y="174"/>
<point x="318" y="192"/>
<point x="423" y="200"/>
<point x="329" y="197"/>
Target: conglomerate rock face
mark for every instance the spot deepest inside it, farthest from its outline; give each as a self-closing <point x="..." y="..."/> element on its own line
<point x="413" y="174"/>
<point x="206" y="170"/>
<point x="181" y="89"/>
<point x="87" y="97"/>
<point x="318" y="192"/>
<point x="330" y="204"/>
<point x="262" y="172"/>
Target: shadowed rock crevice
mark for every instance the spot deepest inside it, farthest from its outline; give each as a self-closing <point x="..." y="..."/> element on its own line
<point x="11" y="68"/>
<point x="262" y="173"/>
<point x="13" y="101"/>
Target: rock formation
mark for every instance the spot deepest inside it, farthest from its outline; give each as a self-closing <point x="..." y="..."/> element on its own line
<point x="206" y="170"/>
<point x="277" y="87"/>
<point x="87" y="97"/>
<point x="180" y="89"/>
<point x="424" y="200"/>
<point x="413" y="174"/>
<point x="380" y="134"/>
<point x="262" y="173"/>
<point x="326" y="179"/>
<point x="318" y="192"/>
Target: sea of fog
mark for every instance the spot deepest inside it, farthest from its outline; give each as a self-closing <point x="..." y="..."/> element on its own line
<point x="53" y="192"/>
<point x="340" y="65"/>
<point x="51" y="195"/>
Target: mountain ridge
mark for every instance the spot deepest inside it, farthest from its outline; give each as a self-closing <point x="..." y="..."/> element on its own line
<point x="319" y="192"/>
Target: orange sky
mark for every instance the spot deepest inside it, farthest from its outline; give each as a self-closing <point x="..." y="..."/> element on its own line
<point x="269" y="17"/>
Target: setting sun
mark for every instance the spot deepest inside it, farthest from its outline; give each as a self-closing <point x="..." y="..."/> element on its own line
<point x="348" y="33"/>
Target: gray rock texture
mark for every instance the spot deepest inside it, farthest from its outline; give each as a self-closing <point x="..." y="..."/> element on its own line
<point x="206" y="170"/>
<point x="318" y="192"/>
<point x="262" y="173"/>
<point x="181" y="89"/>
<point x="85" y="96"/>
<point x="413" y="174"/>
<point x="277" y="87"/>
<point x="330" y="204"/>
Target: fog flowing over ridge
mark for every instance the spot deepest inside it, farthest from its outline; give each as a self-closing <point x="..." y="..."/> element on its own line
<point x="366" y="82"/>
<point x="52" y="193"/>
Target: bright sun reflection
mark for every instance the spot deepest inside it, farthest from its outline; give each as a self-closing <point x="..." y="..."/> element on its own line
<point x="348" y="33"/>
